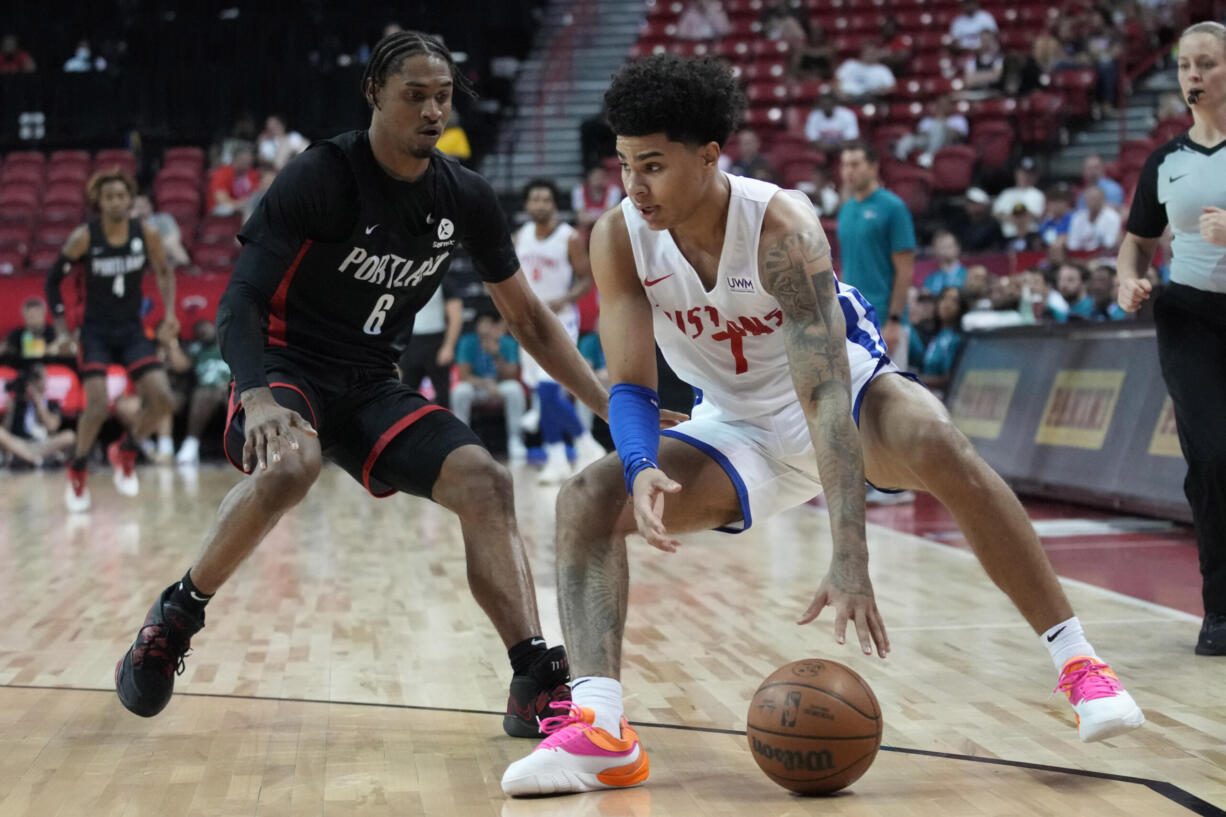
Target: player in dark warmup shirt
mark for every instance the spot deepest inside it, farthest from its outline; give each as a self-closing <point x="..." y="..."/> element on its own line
<point x="115" y="250"/>
<point x="351" y="240"/>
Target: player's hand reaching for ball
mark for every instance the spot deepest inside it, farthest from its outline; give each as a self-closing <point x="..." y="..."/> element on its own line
<point x="650" y="486"/>
<point x="1132" y="293"/>
<point x="268" y="425"/>
<point x="852" y="598"/>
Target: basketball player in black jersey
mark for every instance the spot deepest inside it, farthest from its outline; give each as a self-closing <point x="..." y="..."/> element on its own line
<point x="353" y="237"/>
<point x="115" y="250"/>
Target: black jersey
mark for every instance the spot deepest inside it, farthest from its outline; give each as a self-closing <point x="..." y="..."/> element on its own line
<point x="356" y="253"/>
<point x="112" y="276"/>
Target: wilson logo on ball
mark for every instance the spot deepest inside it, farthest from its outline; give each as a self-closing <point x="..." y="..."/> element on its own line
<point x="813" y="760"/>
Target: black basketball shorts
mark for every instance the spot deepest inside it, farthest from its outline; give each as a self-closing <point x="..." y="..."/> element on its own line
<point x="126" y="344"/>
<point x="357" y="415"/>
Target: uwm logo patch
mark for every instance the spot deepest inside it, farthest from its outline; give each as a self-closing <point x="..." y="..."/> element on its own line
<point x="736" y="284"/>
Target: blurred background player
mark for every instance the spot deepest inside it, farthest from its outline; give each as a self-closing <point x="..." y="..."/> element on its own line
<point x="554" y="259"/>
<point x="115" y="249"/>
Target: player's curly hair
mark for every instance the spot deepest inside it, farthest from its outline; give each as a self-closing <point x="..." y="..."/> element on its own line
<point x="93" y="187"/>
<point x="393" y="49"/>
<point x="693" y="101"/>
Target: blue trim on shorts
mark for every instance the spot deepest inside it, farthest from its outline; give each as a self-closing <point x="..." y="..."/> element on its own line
<point x="742" y="492"/>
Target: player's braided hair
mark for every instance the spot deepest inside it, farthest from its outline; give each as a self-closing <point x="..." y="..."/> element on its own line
<point x="93" y="188"/>
<point x="392" y="50"/>
<point x="694" y="101"/>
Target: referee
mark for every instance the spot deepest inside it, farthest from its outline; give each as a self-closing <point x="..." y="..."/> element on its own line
<point x="1182" y="184"/>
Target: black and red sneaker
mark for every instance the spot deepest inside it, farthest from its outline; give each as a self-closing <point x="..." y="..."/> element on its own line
<point x="532" y="694"/>
<point x="145" y="676"/>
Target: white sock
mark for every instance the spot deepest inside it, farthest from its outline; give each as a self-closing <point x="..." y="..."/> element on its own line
<point x="166" y="445"/>
<point x="604" y="697"/>
<point x="1066" y="641"/>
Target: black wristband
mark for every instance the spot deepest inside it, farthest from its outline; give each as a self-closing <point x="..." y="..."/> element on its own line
<point x="895" y="319"/>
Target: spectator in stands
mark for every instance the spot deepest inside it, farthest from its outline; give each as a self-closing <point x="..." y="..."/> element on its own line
<point x="1022" y="192"/>
<point x="593" y="196"/>
<point x="596" y="139"/>
<point x="949" y="271"/>
<point x="967" y="28"/>
<point x="877" y="242"/>
<point x="1102" y="290"/>
<point x="977" y="286"/>
<point x="865" y="78"/>
<point x="160" y="447"/>
<point x="984" y="71"/>
<point x="1170" y="106"/>
<point x="1097" y="227"/>
<point x="979" y="231"/>
<point x="1092" y="176"/>
<point x="750" y="161"/>
<point x="821" y="191"/>
<point x="1025" y="229"/>
<point x="1046" y="51"/>
<point x="895" y="48"/>
<point x="232" y="186"/>
<point x="923" y="316"/>
<point x="14" y="60"/>
<point x="1056" y="219"/>
<point x="943" y="348"/>
<point x="782" y="22"/>
<point x="208" y="395"/>
<point x="1072" y="280"/>
<point x="35" y="421"/>
<point x="814" y="57"/>
<point x="454" y="141"/>
<point x="703" y="20"/>
<point x="35" y="338"/>
<point x="167" y="228"/>
<point x="83" y="60"/>
<point x="488" y="362"/>
<point x="277" y="144"/>
<point x="1041" y="298"/>
<point x="1105" y="49"/>
<point x="942" y="126"/>
<point x="830" y="124"/>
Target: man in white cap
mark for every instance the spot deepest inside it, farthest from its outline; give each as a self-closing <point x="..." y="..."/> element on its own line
<point x="980" y="232"/>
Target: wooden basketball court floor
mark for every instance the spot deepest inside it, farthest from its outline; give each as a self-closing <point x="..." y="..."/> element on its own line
<point x="346" y="670"/>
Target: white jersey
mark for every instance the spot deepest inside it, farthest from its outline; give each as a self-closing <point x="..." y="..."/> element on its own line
<point x="726" y="343"/>
<point x="546" y="264"/>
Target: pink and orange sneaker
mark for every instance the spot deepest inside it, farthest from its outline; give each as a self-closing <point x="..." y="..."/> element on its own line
<point x="1104" y="708"/>
<point x="577" y="756"/>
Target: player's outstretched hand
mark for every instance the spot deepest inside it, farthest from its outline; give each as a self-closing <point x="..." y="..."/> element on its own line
<point x="268" y="425"/>
<point x="650" y="486"/>
<point x="668" y="418"/>
<point x="852" y="601"/>
<point x="1132" y="292"/>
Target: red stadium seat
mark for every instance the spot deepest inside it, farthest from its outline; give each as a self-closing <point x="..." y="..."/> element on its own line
<point x="220" y="229"/>
<point x="764" y="118"/>
<point x="113" y="158"/>
<point x="1075" y="85"/>
<point x="68" y="172"/>
<point x="69" y="157"/>
<point x="16" y="237"/>
<point x="65" y="193"/>
<point x="952" y="168"/>
<point x="41" y="258"/>
<point x="214" y="256"/>
<point x="886" y="136"/>
<point x="185" y="153"/>
<point x="1134" y="153"/>
<point x="25" y="195"/>
<point x="993" y="139"/>
<point x="183" y="211"/>
<point x="928" y="39"/>
<point x="768" y="93"/>
<point x="25" y="157"/>
<point x="1040" y="119"/>
<point x="932" y="64"/>
<point x="53" y="233"/>
<point x="763" y="70"/>
<point x="63" y="211"/>
<point x="16" y="211"/>
<point x="23" y="174"/>
<point x="177" y="191"/>
<point x="913" y="185"/>
<point x="11" y="261"/>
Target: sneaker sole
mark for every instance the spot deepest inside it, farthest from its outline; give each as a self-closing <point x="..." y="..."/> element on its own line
<point x="563" y="781"/>
<point x="133" y="706"/>
<point x="1093" y="732"/>
<point x="517" y="727"/>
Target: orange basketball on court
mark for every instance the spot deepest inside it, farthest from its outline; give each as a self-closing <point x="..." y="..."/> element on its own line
<point x="814" y="726"/>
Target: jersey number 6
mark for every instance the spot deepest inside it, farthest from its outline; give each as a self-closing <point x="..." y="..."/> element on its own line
<point x="374" y="324"/>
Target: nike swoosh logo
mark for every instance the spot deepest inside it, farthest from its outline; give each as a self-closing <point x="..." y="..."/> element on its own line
<point x="648" y="282"/>
<point x="371" y="228"/>
<point x="1054" y="635"/>
<point x="1173" y="179"/>
<point x="537" y="641"/>
<point x="197" y="596"/>
<point x="574" y="684"/>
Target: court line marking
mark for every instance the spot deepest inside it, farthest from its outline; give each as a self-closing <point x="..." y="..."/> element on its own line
<point x="1170" y="791"/>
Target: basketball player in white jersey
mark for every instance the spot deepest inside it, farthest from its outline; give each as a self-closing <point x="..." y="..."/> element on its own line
<point x="554" y="258"/>
<point x="733" y="278"/>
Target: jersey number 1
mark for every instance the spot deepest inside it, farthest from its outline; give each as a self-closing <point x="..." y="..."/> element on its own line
<point x="374" y="324"/>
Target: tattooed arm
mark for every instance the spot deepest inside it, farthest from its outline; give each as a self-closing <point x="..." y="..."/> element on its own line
<point x="794" y="266"/>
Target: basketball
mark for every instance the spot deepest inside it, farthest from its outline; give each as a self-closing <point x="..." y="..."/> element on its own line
<point x="814" y="726"/>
